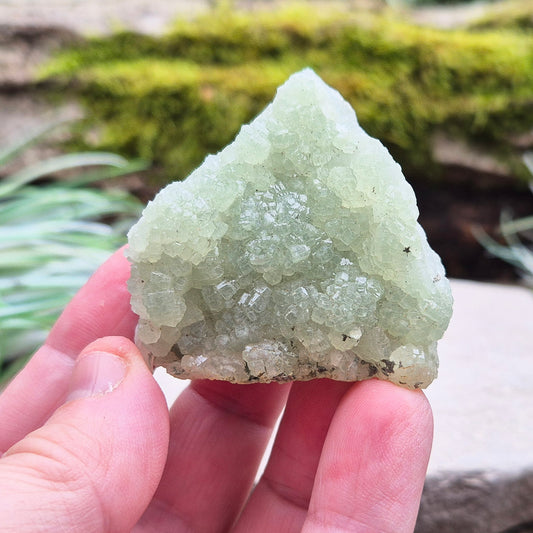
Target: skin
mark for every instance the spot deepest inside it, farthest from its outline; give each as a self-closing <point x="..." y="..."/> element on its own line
<point x="79" y="456"/>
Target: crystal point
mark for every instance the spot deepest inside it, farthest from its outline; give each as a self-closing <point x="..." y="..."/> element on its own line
<point x="293" y="254"/>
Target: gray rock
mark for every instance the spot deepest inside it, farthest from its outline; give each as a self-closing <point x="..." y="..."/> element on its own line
<point x="480" y="477"/>
<point x="477" y="502"/>
<point x="23" y="108"/>
<point x="99" y="16"/>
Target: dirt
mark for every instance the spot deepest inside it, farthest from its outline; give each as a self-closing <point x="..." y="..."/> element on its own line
<point x="449" y="212"/>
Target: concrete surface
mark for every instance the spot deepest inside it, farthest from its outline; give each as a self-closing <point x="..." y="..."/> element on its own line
<point x="483" y="398"/>
<point x="152" y="16"/>
<point x="98" y="16"/>
<point x="480" y="476"/>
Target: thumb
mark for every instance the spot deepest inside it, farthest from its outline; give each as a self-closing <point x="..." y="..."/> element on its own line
<point x="95" y="464"/>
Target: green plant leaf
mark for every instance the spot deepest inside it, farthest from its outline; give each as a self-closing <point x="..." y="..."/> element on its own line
<point x="58" y="164"/>
<point x="53" y="235"/>
<point x="10" y="152"/>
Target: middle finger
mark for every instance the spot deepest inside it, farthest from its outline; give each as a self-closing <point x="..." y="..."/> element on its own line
<point x="280" y="500"/>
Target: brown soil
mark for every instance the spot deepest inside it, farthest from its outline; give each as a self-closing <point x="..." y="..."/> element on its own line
<point x="448" y="212"/>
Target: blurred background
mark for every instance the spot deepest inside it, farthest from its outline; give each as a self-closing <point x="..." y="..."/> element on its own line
<point x="102" y="103"/>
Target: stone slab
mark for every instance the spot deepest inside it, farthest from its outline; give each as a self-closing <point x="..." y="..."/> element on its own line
<point x="480" y="476"/>
<point x="483" y="398"/>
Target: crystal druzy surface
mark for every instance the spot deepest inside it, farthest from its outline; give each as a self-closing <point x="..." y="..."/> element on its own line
<point x="293" y="254"/>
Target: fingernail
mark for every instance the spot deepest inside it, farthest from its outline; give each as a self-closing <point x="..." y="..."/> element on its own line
<point x="96" y="373"/>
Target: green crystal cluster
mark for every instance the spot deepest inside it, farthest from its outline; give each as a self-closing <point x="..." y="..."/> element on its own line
<point x="293" y="254"/>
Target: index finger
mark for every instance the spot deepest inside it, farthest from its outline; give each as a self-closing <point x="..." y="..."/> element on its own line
<point x="100" y="308"/>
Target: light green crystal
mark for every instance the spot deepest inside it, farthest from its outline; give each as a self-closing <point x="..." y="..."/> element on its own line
<point x="293" y="254"/>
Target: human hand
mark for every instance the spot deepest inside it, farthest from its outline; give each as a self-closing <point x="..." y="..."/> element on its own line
<point x="89" y="445"/>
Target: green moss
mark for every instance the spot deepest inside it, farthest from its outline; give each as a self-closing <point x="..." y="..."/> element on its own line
<point x="178" y="97"/>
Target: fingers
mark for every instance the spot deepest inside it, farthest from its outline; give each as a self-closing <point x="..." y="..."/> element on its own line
<point x="280" y="500"/>
<point x="100" y="308"/>
<point x="95" y="464"/>
<point x="373" y="463"/>
<point x="218" y="435"/>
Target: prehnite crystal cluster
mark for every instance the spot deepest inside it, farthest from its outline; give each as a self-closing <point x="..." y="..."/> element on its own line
<point x="292" y="254"/>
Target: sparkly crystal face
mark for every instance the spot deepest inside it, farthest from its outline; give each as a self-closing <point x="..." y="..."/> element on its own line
<point x="294" y="253"/>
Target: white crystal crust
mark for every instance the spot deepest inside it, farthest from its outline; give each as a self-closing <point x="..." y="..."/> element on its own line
<point x="294" y="253"/>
